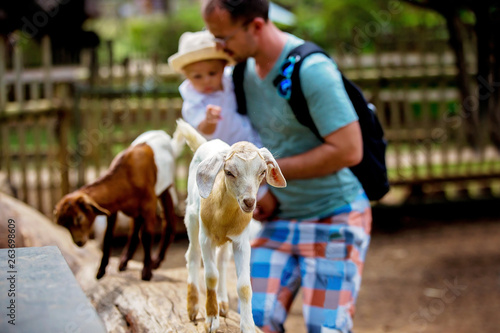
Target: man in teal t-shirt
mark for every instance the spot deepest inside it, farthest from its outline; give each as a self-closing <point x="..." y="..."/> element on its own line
<point x="320" y="228"/>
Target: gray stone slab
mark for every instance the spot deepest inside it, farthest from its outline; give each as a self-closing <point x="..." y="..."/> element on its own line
<point x="38" y="293"/>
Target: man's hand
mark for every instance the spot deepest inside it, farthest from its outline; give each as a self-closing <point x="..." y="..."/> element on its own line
<point x="266" y="207"/>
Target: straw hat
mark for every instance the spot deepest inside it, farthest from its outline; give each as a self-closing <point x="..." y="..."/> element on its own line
<point x="193" y="47"/>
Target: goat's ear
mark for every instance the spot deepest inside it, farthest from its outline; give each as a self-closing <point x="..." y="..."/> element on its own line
<point x="206" y="173"/>
<point x="90" y="204"/>
<point x="274" y="177"/>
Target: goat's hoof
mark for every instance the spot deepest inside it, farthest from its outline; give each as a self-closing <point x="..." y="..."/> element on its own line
<point x="192" y="301"/>
<point x="100" y="274"/>
<point x="156" y="263"/>
<point x="212" y="324"/>
<point x="193" y="312"/>
<point x="122" y="266"/>
<point x="247" y="328"/>
<point x="223" y="309"/>
<point x="147" y="275"/>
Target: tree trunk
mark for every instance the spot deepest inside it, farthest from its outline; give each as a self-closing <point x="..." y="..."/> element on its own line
<point x="484" y="37"/>
<point x="494" y="111"/>
<point x="456" y="41"/>
<point x="128" y="304"/>
<point x="450" y="11"/>
<point x="33" y="229"/>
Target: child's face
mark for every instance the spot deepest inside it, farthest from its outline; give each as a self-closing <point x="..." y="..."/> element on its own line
<point x="206" y="75"/>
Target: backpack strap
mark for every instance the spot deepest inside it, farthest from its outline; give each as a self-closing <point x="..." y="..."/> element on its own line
<point x="297" y="101"/>
<point x="372" y="171"/>
<point x="238" y="75"/>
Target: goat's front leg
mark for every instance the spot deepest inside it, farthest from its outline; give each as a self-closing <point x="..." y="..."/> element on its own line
<point x="193" y="260"/>
<point x="241" y="251"/>
<point x="133" y="241"/>
<point x="211" y="280"/>
<point x="106" y="246"/>
<point x="222" y="261"/>
<point x="147" y="235"/>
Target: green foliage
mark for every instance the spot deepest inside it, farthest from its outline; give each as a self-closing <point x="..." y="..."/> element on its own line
<point x="148" y="35"/>
<point x="32" y="53"/>
<point x="332" y="24"/>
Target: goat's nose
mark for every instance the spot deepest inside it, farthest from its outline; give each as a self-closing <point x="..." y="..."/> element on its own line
<point x="249" y="202"/>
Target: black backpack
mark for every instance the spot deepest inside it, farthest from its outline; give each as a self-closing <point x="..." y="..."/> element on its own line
<point x="372" y="170"/>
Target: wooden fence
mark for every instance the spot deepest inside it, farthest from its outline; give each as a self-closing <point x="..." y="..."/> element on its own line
<point x="414" y="89"/>
<point x="59" y="132"/>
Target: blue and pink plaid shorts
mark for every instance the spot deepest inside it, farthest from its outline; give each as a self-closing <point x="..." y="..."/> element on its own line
<point x="323" y="256"/>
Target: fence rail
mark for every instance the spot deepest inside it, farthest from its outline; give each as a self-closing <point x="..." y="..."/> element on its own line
<point x="58" y="134"/>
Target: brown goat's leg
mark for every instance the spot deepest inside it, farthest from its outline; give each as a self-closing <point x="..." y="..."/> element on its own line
<point x="106" y="246"/>
<point x="147" y="235"/>
<point x="169" y="229"/>
<point x="133" y="241"/>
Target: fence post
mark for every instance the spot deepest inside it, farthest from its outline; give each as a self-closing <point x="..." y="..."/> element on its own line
<point x="94" y="67"/>
<point x="18" y="69"/>
<point x="62" y="129"/>
<point x="109" y="49"/>
<point x="3" y="100"/>
<point x="47" y="67"/>
<point x="3" y="90"/>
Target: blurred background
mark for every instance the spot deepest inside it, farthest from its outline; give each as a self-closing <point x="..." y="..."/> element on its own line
<point x="80" y="79"/>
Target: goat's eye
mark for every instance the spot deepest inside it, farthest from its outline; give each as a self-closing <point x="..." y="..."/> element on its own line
<point x="229" y="174"/>
<point x="263" y="173"/>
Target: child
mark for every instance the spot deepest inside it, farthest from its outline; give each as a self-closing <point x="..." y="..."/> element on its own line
<point x="209" y="101"/>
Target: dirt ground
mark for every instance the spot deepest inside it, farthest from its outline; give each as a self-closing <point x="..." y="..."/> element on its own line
<point x="432" y="269"/>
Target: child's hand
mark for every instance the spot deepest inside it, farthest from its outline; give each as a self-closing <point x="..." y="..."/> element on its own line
<point x="213" y="114"/>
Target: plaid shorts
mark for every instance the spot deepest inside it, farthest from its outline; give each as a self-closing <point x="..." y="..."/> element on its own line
<point x="323" y="256"/>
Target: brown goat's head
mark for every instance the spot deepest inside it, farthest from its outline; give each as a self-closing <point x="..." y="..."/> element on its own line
<point x="76" y="212"/>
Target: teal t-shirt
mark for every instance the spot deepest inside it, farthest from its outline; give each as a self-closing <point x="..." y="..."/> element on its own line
<point x="284" y="136"/>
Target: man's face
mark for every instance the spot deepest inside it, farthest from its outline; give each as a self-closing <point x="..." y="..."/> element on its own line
<point x="234" y="38"/>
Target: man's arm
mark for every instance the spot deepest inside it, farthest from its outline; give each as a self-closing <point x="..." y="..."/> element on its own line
<point x="342" y="148"/>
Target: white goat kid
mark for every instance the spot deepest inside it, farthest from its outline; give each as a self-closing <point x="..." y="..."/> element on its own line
<point x="222" y="189"/>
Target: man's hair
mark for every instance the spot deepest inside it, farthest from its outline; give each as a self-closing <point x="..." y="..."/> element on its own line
<point x="240" y="10"/>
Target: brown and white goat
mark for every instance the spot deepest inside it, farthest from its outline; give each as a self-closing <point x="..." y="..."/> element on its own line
<point x="222" y="190"/>
<point x="135" y="180"/>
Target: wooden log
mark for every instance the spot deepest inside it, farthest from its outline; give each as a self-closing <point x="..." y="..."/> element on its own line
<point x="124" y="302"/>
<point x="33" y="229"/>
<point x="128" y="304"/>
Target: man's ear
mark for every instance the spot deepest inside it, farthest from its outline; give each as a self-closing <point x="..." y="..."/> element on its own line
<point x="274" y="177"/>
<point x="258" y="23"/>
<point x="89" y="204"/>
<point x="207" y="172"/>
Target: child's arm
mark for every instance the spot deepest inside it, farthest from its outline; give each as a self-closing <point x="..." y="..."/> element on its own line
<point x="209" y="124"/>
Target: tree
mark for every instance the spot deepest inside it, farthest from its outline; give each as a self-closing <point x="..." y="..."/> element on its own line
<point x="61" y="20"/>
<point x="485" y="102"/>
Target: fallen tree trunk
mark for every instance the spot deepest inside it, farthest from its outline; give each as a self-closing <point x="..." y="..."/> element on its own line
<point x="128" y="304"/>
<point x="123" y="301"/>
<point x="33" y="229"/>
